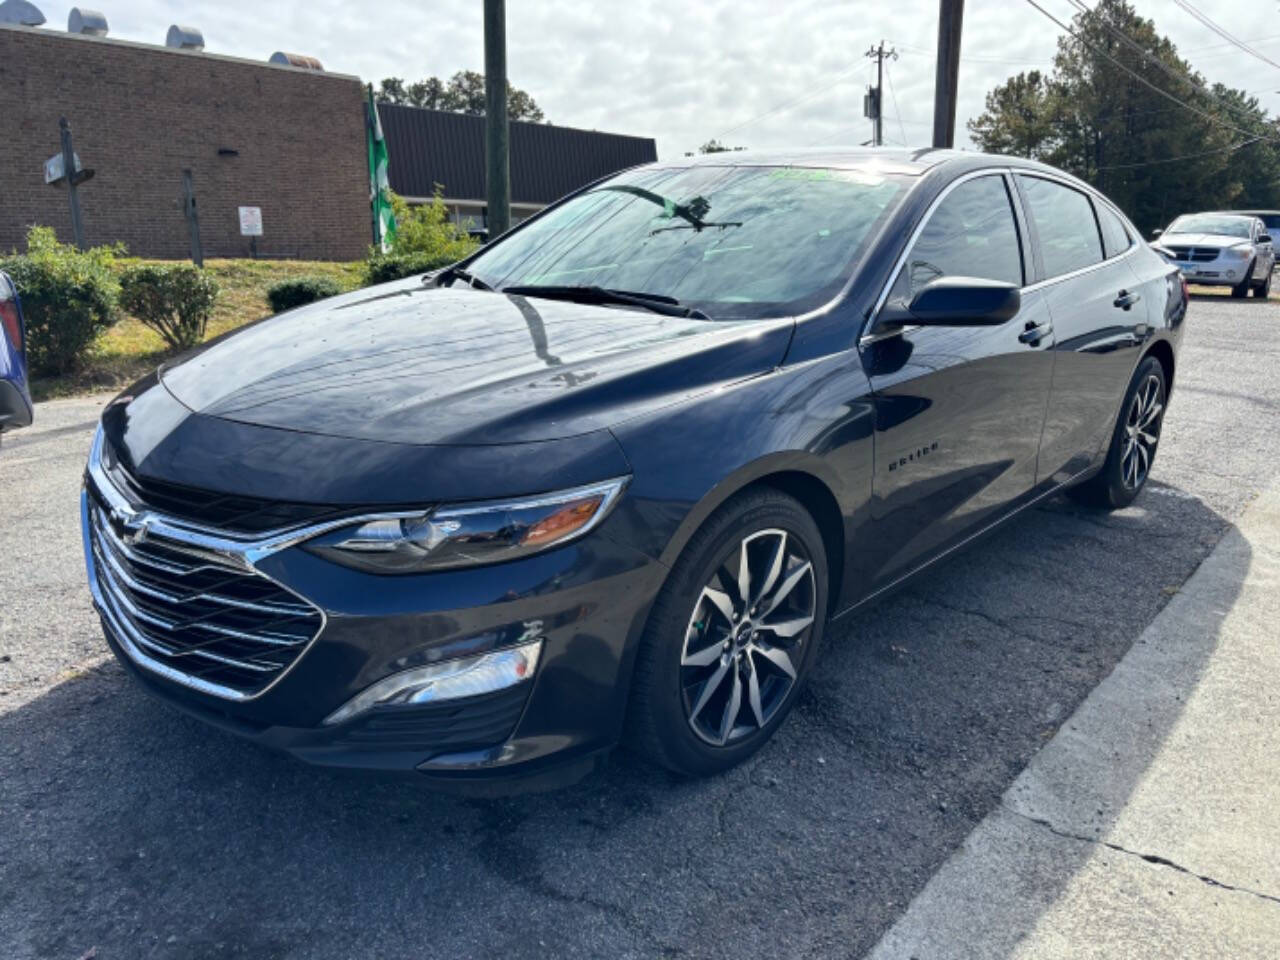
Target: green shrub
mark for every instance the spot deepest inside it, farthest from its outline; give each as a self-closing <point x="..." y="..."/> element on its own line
<point x="173" y="300"/>
<point x="426" y="239"/>
<point x="68" y="299"/>
<point x="298" y="291"/>
<point x="385" y="267"/>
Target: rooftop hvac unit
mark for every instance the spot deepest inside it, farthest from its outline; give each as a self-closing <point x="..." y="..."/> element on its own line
<point x="92" y="23"/>
<point x="296" y="60"/>
<point x="184" y="38"/>
<point x="21" y="13"/>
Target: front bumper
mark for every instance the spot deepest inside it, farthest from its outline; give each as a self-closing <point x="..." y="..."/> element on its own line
<point x="587" y="601"/>
<point x="1222" y="271"/>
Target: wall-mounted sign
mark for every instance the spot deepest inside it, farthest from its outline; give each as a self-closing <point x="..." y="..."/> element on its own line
<point x="250" y="221"/>
<point x="53" y="172"/>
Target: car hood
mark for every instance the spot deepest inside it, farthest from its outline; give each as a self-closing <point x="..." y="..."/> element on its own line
<point x="1201" y="240"/>
<point x="406" y="363"/>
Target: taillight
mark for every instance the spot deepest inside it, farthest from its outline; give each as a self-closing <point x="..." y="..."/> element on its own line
<point x="1186" y="291"/>
<point x="9" y="320"/>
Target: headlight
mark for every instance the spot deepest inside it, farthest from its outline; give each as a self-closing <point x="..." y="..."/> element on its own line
<point x="1239" y="253"/>
<point x="462" y="535"/>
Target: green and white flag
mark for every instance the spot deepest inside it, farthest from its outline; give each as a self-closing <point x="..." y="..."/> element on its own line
<point x="384" y="222"/>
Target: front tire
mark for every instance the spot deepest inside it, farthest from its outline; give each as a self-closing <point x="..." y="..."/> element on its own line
<point x="1241" y="289"/>
<point x="1263" y="290"/>
<point x="725" y="653"/>
<point x="1133" y="442"/>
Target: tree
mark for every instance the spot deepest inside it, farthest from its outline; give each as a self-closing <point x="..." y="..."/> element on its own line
<point x="1154" y="156"/>
<point x="1019" y="117"/>
<point x="714" y="146"/>
<point x="464" y="93"/>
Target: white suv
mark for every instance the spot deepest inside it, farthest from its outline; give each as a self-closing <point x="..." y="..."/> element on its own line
<point x="1221" y="249"/>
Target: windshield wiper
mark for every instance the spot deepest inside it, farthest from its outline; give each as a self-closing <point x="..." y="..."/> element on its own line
<point x="590" y="293"/>
<point x="457" y="273"/>
<point x="694" y="212"/>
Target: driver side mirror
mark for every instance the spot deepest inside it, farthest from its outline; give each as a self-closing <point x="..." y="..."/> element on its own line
<point x="1264" y="238"/>
<point x="956" y="302"/>
<point x="1156" y="233"/>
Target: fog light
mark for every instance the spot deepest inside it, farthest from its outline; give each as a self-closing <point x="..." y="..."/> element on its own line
<point x="465" y="677"/>
<point x="1230" y="274"/>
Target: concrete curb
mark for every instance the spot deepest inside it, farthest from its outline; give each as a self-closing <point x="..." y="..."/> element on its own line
<point x="1146" y="826"/>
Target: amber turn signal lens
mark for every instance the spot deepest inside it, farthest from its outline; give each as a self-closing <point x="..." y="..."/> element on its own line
<point x="563" y="522"/>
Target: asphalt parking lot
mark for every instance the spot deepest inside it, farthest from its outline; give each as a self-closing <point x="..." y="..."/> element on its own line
<point x="128" y="828"/>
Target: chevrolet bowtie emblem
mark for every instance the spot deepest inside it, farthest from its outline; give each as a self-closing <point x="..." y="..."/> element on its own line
<point x="135" y="534"/>
<point x="133" y="529"/>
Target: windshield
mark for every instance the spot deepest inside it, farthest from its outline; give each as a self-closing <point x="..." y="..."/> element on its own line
<point x="1212" y="223"/>
<point x="734" y="242"/>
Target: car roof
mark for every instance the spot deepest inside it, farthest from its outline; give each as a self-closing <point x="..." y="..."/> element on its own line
<point x="1235" y="214"/>
<point x="909" y="161"/>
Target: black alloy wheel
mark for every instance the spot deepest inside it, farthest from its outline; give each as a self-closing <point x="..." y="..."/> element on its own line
<point x="1133" y="442"/>
<point x="732" y="635"/>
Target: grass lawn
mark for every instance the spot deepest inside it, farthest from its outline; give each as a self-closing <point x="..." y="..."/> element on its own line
<point x="129" y="350"/>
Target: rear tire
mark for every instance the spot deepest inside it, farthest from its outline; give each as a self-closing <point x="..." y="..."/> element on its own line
<point x="715" y="674"/>
<point x="1133" y="442"/>
<point x="1241" y="289"/>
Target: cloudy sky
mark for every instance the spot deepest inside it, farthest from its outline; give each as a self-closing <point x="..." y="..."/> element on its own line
<point x="759" y="73"/>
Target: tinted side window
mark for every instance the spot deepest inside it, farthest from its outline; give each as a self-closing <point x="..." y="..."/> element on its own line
<point x="1064" y="222"/>
<point x="1115" y="238"/>
<point x="971" y="233"/>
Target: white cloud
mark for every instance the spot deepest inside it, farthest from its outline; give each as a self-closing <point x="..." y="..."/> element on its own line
<point x="686" y="70"/>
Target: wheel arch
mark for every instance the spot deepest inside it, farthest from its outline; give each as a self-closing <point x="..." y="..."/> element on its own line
<point x="805" y="479"/>
<point x="1163" y="352"/>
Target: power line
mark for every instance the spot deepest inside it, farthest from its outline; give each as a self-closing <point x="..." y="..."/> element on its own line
<point x="1204" y="19"/>
<point x="1186" y="156"/>
<point x="1218" y="46"/>
<point x="1141" y="79"/>
<point x="790" y="103"/>
<point x="1152" y="57"/>
<point x="893" y="97"/>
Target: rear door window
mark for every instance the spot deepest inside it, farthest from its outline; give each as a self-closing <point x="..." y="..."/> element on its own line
<point x="1115" y="238"/>
<point x="1065" y="225"/>
<point x="971" y="233"/>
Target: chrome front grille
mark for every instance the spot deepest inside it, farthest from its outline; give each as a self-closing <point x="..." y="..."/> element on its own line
<point x="1194" y="254"/>
<point x="215" y="623"/>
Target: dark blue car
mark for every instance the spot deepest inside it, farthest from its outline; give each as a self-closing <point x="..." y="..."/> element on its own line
<point x="610" y="476"/>
<point x="15" y="396"/>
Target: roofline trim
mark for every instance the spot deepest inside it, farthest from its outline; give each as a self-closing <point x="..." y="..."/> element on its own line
<point x="57" y="35"/>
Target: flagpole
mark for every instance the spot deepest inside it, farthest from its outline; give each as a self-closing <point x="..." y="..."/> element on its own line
<point x="373" y="176"/>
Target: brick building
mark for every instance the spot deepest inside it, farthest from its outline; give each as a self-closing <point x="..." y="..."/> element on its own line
<point x="288" y="140"/>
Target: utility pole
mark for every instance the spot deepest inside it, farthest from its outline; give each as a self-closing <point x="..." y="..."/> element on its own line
<point x="73" y="177"/>
<point x="874" y="106"/>
<point x="947" y="79"/>
<point x="496" y="141"/>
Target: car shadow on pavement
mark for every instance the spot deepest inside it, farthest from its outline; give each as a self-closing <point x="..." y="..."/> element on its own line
<point x="126" y="826"/>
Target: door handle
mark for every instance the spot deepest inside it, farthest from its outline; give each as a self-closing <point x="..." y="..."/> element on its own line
<point x="1033" y="334"/>
<point x="1125" y="300"/>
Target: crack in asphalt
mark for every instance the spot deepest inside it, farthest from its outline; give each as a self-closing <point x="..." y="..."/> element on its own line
<point x="513" y="861"/>
<point x="1009" y="627"/>
<point x="1152" y="858"/>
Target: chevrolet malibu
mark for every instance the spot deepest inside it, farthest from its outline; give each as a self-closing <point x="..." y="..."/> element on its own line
<point x="611" y="477"/>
